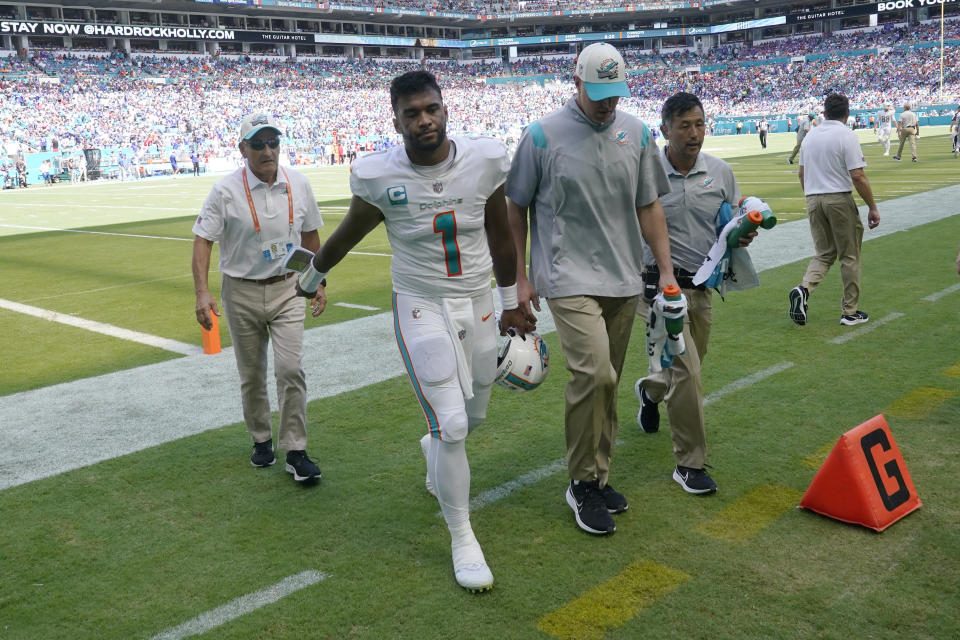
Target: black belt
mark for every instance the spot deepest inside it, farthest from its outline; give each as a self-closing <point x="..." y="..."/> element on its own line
<point x="651" y="276"/>
<point x="272" y="279"/>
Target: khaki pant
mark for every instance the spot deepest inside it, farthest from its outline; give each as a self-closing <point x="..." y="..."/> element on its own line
<point x="908" y="134"/>
<point x="681" y="384"/>
<point x="258" y="314"/>
<point x="796" y="150"/>
<point x="594" y="333"/>
<point x="837" y="233"/>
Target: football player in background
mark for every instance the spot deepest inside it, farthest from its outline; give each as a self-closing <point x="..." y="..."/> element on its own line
<point x="441" y="200"/>
<point x="955" y="128"/>
<point x="883" y="126"/>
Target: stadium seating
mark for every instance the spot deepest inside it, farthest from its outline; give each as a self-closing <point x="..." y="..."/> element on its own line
<point x="156" y="104"/>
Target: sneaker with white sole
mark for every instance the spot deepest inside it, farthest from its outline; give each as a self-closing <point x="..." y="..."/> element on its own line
<point x="798" y="304"/>
<point x="857" y="318"/>
<point x="589" y="508"/>
<point x="263" y="455"/>
<point x="302" y="467"/>
<point x="614" y="500"/>
<point x="470" y="567"/>
<point x="649" y="415"/>
<point x="694" y="480"/>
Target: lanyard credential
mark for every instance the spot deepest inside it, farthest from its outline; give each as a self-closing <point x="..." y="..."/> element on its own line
<point x="253" y="209"/>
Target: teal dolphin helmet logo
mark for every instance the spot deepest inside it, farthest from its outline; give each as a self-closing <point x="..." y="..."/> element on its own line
<point x="608" y="70"/>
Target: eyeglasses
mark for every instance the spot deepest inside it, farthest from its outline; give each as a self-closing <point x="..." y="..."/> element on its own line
<point x="258" y="145"/>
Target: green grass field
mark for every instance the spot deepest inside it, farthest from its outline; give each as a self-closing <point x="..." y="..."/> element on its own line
<point x="138" y="545"/>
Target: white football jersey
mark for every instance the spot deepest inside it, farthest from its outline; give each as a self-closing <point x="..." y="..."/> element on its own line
<point x="435" y="215"/>
<point x="885" y="118"/>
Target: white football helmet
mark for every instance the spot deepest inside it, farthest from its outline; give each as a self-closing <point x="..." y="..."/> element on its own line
<point x="522" y="363"/>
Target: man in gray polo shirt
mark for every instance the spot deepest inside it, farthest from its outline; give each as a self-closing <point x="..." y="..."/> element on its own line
<point x="831" y="165"/>
<point x="699" y="185"/>
<point x="590" y="180"/>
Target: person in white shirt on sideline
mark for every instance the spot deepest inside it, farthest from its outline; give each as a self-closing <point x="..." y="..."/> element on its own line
<point x="831" y="166"/>
<point x="258" y="213"/>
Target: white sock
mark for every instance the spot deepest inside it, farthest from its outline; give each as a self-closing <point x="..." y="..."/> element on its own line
<point x="426" y="442"/>
<point x="447" y="466"/>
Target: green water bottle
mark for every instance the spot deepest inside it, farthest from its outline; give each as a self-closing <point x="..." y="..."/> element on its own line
<point x="671" y="294"/>
<point x="758" y="215"/>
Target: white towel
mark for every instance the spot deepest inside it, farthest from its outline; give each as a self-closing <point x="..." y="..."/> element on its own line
<point x="662" y="347"/>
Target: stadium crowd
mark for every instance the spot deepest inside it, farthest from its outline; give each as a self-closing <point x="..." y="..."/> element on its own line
<point x="154" y="105"/>
<point x="497" y="6"/>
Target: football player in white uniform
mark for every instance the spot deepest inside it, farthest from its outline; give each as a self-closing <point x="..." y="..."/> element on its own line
<point x="883" y="125"/>
<point x="441" y="200"/>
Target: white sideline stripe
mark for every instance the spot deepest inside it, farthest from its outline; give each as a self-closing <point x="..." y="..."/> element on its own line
<point x="133" y="235"/>
<point x="743" y="383"/>
<point x="86" y="205"/>
<point x="933" y="297"/>
<point x="242" y="606"/>
<point x="79" y="292"/>
<point x="98" y="233"/>
<point x="531" y="477"/>
<point x="369" y="253"/>
<point x="85" y="421"/>
<point x="355" y="306"/>
<point x="867" y="328"/>
<point x="106" y="329"/>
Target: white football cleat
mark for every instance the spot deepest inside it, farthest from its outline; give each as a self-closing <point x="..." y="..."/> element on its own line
<point x="470" y="567"/>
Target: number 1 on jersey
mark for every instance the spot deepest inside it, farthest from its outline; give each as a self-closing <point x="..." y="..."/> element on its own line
<point x="446" y="225"/>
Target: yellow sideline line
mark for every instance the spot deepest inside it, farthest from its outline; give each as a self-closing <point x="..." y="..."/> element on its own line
<point x="953" y="372"/>
<point x="751" y="514"/>
<point x="613" y="603"/>
<point x="919" y="402"/>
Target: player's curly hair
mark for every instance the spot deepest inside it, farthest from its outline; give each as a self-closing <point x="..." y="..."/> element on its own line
<point x="410" y="83"/>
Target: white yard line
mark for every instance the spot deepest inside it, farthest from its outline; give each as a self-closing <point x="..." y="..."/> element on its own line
<point x="532" y="477"/>
<point x="106" y="329"/>
<point x="241" y="606"/>
<point x="99" y="289"/>
<point x="743" y="383"/>
<point x="355" y="306"/>
<point x="86" y="205"/>
<point x="933" y="297"/>
<point x="97" y="233"/>
<point x="871" y="325"/>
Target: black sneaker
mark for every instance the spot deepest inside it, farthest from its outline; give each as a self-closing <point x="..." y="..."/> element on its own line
<point x="649" y="416"/>
<point x="263" y="454"/>
<point x="694" y="480"/>
<point x="798" y="304"/>
<point x="614" y="500"/>
<point x="897" y="158"/>
<point x="588" y="506"/>
<point x="857" y="318"/>
<point x="302" y="467"/>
